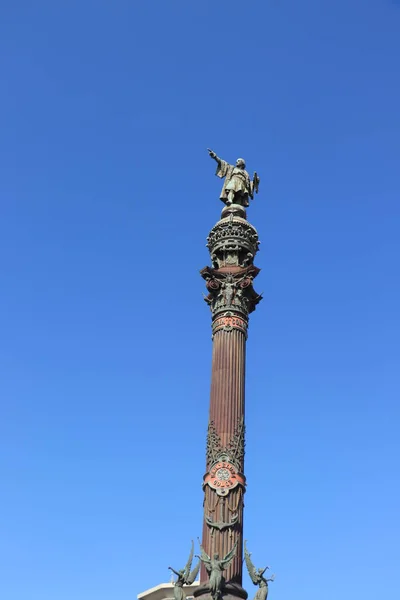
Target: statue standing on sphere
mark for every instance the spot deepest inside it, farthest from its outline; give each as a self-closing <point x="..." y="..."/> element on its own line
<point x="257" y="577"/>
<point x="238" y="187"/>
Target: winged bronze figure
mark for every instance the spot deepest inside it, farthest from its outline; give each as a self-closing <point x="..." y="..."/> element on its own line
<point x="215" y="567"/>
<point x="185" y="576"/>
<point x="257" y="576"/>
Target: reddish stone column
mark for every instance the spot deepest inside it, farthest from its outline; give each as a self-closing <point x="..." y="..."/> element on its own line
<point x="233" y="243"/>
<point x="227" y="423"/>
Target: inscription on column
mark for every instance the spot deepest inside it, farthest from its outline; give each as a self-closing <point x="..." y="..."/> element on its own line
<point x="228" y="322"/>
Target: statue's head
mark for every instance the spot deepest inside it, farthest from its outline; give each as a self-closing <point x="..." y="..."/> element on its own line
<point x="216" y="556"/>
<point x="240" y="163"/>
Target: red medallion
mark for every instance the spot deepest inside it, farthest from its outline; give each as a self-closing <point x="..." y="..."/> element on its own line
<point x="223" y="477"/>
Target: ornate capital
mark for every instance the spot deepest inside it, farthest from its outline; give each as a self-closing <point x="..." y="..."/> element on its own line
<point x="233" y="243"/>
<point x="231" y="290"/>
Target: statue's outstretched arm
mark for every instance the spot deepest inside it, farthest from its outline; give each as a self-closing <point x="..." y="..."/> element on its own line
<point x="213" y="155"/>
<point x="205" y="559"/>
<point x="173" y="570"/>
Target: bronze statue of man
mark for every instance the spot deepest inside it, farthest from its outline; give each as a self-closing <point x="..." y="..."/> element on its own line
<point x="238" y="187"/>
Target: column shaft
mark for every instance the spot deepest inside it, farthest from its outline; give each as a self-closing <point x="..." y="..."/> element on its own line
<point x="227" y="402"/>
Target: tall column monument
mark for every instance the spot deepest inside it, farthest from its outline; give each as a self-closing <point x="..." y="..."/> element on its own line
<point x="232" y="243"/>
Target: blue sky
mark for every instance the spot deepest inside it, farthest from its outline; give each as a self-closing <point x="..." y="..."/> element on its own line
<point x="107" y="196"/>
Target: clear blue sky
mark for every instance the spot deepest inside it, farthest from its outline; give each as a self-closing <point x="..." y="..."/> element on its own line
<point x="107" y="196"/>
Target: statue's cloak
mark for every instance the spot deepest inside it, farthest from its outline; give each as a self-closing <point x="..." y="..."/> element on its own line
<point x="236" y="179"/>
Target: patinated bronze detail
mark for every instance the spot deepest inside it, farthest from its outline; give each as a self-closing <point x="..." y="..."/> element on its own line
<point x="233" y="452"/>
<point x="232" y="242"/>
<point x="223" y="476"/>
<point x="257" y="576"/>
<point x="215" y="567"/>
<point x="237" y="443"/>
<point x="185" y="576"/>
<point x="221" y="524"/>
<point x="231" y="291"/>
<point x="225" y="509"/>
<point x="214" y="445"/>
<point x="238" y="187"/>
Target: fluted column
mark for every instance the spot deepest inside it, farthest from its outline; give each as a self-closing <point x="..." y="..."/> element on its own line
<point x="227" y="382"/>
<point x="233" y="243"/>
<point x="227" y="418"/>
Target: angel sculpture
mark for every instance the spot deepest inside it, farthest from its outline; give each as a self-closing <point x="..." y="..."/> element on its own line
<point x="257" y="576"/>
<point x="215" y="567"/>
<point x="185" y="576"/>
